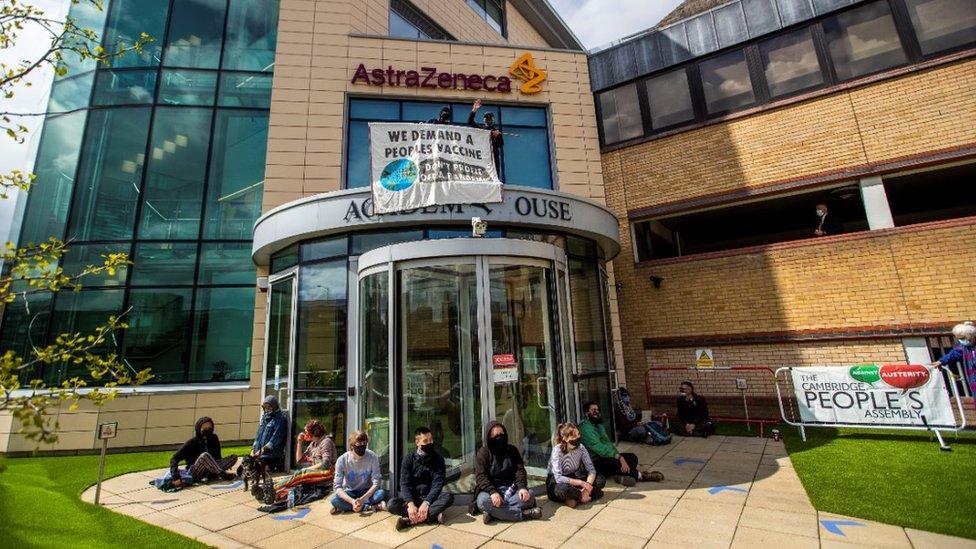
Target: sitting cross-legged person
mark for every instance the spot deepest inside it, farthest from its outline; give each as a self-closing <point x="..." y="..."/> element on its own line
<point x="501" y="483"/>
<point x="607" y="460"/>
<point x="422" y="496"/>
<point x="572" y="477"/>
<point x="357" y="478"/>
<point x="202" y="456"/>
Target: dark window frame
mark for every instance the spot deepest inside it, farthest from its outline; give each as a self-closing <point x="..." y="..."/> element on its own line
<point x="905" y="33"/>
<point x="480" y="8"/>
<point x="420" y="20"/>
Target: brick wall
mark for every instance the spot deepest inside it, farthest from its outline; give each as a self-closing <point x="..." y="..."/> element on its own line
<point x="897" y="278"/>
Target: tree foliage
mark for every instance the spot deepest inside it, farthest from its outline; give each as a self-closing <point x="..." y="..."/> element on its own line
<point x="36" y="268"/>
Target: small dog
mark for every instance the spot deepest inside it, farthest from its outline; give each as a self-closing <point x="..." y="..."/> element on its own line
<point x="257" y="479"/>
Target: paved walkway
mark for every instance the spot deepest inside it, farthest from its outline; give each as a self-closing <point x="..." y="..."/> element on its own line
<point x="718" y="492"/>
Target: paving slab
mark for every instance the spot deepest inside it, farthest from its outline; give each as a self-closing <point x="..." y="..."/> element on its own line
<point x="862" y="532"/>
<point x="783" y="522"/>
<point x="930" y="540"/>
<point x="302" y="536"/>
<point x="748" y="538"/>
<point x="384" y="532"/>
<point x="616" y="520"/>
<point x="589" y="537"/>
<point x="447" y="538"/>
<point x="253" y="531"/>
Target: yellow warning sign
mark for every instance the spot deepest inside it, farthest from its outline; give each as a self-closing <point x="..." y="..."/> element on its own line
<point x="704" y="358"/>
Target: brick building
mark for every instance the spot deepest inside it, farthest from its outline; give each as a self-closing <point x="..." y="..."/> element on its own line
<point x="721" y="132"/>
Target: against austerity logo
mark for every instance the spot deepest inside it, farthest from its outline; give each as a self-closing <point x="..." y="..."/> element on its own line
<point x="899" y="376"/>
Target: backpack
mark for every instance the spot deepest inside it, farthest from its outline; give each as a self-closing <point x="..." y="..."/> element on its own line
<point x="657" y="434"/>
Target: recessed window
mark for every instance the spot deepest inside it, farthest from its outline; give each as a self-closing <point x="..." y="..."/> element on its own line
<point x="196" y="34"/>
<point x="406" y="21"/>
<point x="492" y="11"/>
<point x="932" y="195"/>
<point x="790" y="63"/>
<point x="768" y="221"/>
<point x="726" y="82"/>
<point x="943" y="24"/>
<point x="129" y="87"/>
<point x="620" y="114"/>
<point x="863" y="40"/>
<point x="670" y="99"/>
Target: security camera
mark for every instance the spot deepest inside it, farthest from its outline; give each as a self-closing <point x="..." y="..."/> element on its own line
<point x="478" y="227"/>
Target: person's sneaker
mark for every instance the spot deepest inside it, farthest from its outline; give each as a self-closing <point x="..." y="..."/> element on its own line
<point x="335" y="511"/>
<point x="381" y="506"/>
<point x="473" y="509"/>
<point x="627" y="480"/>
<point x="440" y="518"/>
<point x="571" y="503"/>
<point x="486" y="518"/>
<point x="651" y="476"/>
<point x="402" y="523"/>
<point x="534" y="513"/>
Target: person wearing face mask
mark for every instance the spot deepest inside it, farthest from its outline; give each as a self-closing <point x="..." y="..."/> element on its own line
<point x="497" y="139"/>
<point x="572" y="478"/>
<point x="628" y="422"/>
<point x="269" y="442"/>
<point x="693" y="418"/>
<point x="357" y="478"/>
<point x="202" y="456"/>
<point x="501" y="485"/>
<point x="828" y="224"/>
<point x="443" y="118"/>
<point x="607" y="460"/>
<point x="422" y="496"/>
<point x="964" y="352"/>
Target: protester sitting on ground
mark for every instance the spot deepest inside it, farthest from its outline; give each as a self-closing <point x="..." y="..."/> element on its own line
<point x="443" y="118"/>
<point x="501" y="485"/>
<point x="314" y="449"/>
<point x="964" y="352"/>
<point x="357" y="478"/>
<point x="269" y="442"/>
<point x="828" y="224"/>
<point x="202" y="456"/>
<point x="422" y="496"/>
<point x="572" y="478"/>
<point x="629" y="424"/>
<point x="608" y="461"/>
<point x="693" y="419"/>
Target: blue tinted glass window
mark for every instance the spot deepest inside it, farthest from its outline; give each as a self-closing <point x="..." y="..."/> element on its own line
<point x="364" y="242"/>
<point x="222" y="327"/>
<point x="401" y="28"/>
<point x="422" y="112"/>
<point x="110" y="175"/>
<point x="128" y="19"/>
<point x="324" y="249"/>
<point x="82" y="256"/>
<point x="526" y="158"/>
<point x="245" y="90"/>
<point x="173" y="193"/>
<point x="357" y="165"/>
<point x="374" y="110"/>
<point x="252" y="29"/>
<point x="524" y="116"/>
<point x="157" y="334"/>
<point x="164" y="264"/>
<point x="81" y="312"/>
<point x="182" y="87"/>
<point x="196" y="32"/>
<point x="124" y="87"/>
<point x="226" y="263"/>
<point x="462" y="110"/>
<point x="71" y="93"/>
<point x="236" y="182"/>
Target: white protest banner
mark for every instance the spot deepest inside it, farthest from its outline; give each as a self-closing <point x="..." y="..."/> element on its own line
<point x="418" y="165"/>
<point x="903" y="395"/>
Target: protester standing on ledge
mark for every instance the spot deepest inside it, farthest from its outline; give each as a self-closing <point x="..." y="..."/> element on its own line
<point x="497" y="139"/>
<point x="443" y="118"/>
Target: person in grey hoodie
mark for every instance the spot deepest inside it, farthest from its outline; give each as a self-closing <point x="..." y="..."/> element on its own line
<point x="357" y="478"/>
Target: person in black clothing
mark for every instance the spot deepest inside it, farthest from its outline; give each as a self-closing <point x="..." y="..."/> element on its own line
<point x="501" y="485"/>
<point x="202" y="455"/>
<point x="422" y="496"/>
<point x="497" y="139"/>
<point x="828" y="225"/>
<point x="443" y="118"/>
<point x="693" y="419"/>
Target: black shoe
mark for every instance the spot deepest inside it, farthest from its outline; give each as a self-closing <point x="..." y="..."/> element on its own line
<point x="402" y="523"/>
<point x="227" y="476"/>
<point x="534" y="513"/>
<point x="486" y="518"/>
<point x="627" y="480"/>
<point x="473" y="509"/>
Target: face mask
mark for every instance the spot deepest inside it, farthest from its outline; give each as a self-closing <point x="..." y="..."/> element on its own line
<point x="206" y="432"/>
<point x="498" y="442"/>
<point x="596" y="419"/>
<point x="359" y="449"/>
<point x="821" y="213"/>
<point x="964" y="342"/>
<point x="572" y="444"/>
<point x="426" y="448"/>
<point x="445" y="116"/>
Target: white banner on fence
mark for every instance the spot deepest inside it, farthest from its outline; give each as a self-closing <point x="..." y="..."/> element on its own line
<point x="906" y="395"/>
<point x="417" y="165"/>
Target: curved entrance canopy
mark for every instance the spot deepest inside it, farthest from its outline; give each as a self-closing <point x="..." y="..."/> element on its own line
<point x="352" y="210"/>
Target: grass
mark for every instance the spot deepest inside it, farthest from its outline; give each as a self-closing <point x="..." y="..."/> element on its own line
<point x="40" y="504"/>
<point x="894" y="477"/>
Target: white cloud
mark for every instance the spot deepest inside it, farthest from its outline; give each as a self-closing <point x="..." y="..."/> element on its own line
<point x="597" y="22"/>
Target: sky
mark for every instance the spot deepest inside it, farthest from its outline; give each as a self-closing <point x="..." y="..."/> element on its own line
<point x="598" y="22"/>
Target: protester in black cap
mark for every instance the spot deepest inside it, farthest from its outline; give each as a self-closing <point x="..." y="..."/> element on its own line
<point x="497" y="139"/>
<point x="443" y="118"/>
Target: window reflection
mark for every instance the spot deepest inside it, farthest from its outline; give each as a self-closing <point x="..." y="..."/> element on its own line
<point x="195" y="34"/>
<point x="942" y="24"/>
<point x="790" y="63"/>
<point x="252" y="31"/>
<point x="156" y="336"/>
<point x="620" y="112"/>
<point x="236" y="173"/>
<point x="670" y="99"/>
<point x="726" y="82"/>
<point x="321" y="359"/>
<point x="863" y="40"/>
<point x="222" y="328"/>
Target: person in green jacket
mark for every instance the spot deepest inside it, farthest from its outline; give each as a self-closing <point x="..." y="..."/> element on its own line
<point x="607" y="460"/>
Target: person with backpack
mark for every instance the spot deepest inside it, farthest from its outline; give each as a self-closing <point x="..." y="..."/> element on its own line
<point x="629" y="425"/>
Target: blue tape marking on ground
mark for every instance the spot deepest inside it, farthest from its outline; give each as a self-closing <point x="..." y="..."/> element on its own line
<point x="231" y="486"/>
<point x="683" y="460"/>
<point x="435" y="546"/>
<point x="301" y="513"/>
<point x="833" y="526"/>
<point x="716" y="489"/>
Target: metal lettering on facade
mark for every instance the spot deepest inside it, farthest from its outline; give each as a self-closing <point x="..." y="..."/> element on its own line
<point x="541" y="208"/>
<point x="429" y="77"/>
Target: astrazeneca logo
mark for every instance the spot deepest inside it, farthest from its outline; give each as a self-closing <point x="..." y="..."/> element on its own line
<point x="523" y="69"/>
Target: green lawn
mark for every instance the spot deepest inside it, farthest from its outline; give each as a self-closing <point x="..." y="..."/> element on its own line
<point x="895" y="477"/>
<point x="40" y="505"/>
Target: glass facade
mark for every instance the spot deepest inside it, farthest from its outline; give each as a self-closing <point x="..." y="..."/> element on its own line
<point x="162" y="157"/>
<point x="526" y="157"/>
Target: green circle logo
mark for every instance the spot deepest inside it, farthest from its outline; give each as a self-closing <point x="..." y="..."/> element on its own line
<point x="399" y="175"/>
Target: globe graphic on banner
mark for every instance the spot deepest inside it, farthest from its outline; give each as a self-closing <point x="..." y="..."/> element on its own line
<point x="399" y="175"/>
